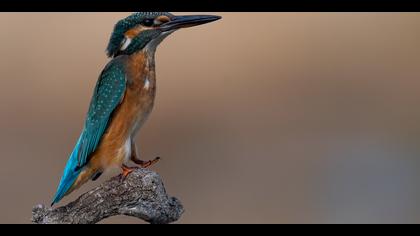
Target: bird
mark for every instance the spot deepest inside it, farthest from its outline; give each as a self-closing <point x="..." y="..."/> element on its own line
<point x="123" y="99"/>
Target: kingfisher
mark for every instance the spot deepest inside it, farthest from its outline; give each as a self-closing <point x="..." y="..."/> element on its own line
<point x="123" y="99"/>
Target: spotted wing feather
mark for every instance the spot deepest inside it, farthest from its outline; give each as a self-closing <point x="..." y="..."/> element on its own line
<point x="108" y="94"/>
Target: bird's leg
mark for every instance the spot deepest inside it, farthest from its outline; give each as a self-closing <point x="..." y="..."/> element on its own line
<point x="141" y="163"/>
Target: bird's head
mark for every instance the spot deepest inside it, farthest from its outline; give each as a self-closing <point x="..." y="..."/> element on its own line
<point x="145" y="30"/>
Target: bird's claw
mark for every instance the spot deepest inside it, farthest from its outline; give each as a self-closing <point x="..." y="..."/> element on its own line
<point x="125" y="172"/>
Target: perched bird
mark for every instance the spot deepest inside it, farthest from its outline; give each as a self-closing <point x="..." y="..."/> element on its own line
<point x="123" y="98"/>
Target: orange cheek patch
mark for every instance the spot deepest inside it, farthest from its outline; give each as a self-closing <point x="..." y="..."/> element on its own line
<point x="133" y="32"/>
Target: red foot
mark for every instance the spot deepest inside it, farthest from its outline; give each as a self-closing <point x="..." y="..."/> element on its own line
<point x="125" y="172"/>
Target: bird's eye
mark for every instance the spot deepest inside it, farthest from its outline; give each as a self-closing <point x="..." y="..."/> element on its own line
<point x="148" y="22"/>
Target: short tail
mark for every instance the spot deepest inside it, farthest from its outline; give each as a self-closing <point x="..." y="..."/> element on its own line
<point x="69" y="176"/>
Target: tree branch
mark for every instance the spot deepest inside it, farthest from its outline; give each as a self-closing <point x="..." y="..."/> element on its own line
<point x="141" y="194"/>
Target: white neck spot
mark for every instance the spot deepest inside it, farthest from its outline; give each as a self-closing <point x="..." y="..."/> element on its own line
<point x="146" y="83"/>
<point x="126" y="42"/>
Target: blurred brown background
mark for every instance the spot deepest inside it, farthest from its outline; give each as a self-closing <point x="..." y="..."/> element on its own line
<point x="259" y="117"/>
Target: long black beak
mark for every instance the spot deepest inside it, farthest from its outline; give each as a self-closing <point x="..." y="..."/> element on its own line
<point x="178" y="22"/>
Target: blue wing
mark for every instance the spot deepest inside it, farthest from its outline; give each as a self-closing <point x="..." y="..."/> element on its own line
<point x="108" y="94"/>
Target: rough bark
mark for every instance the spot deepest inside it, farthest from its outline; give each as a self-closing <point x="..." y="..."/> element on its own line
<point x="141" y="194"/>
